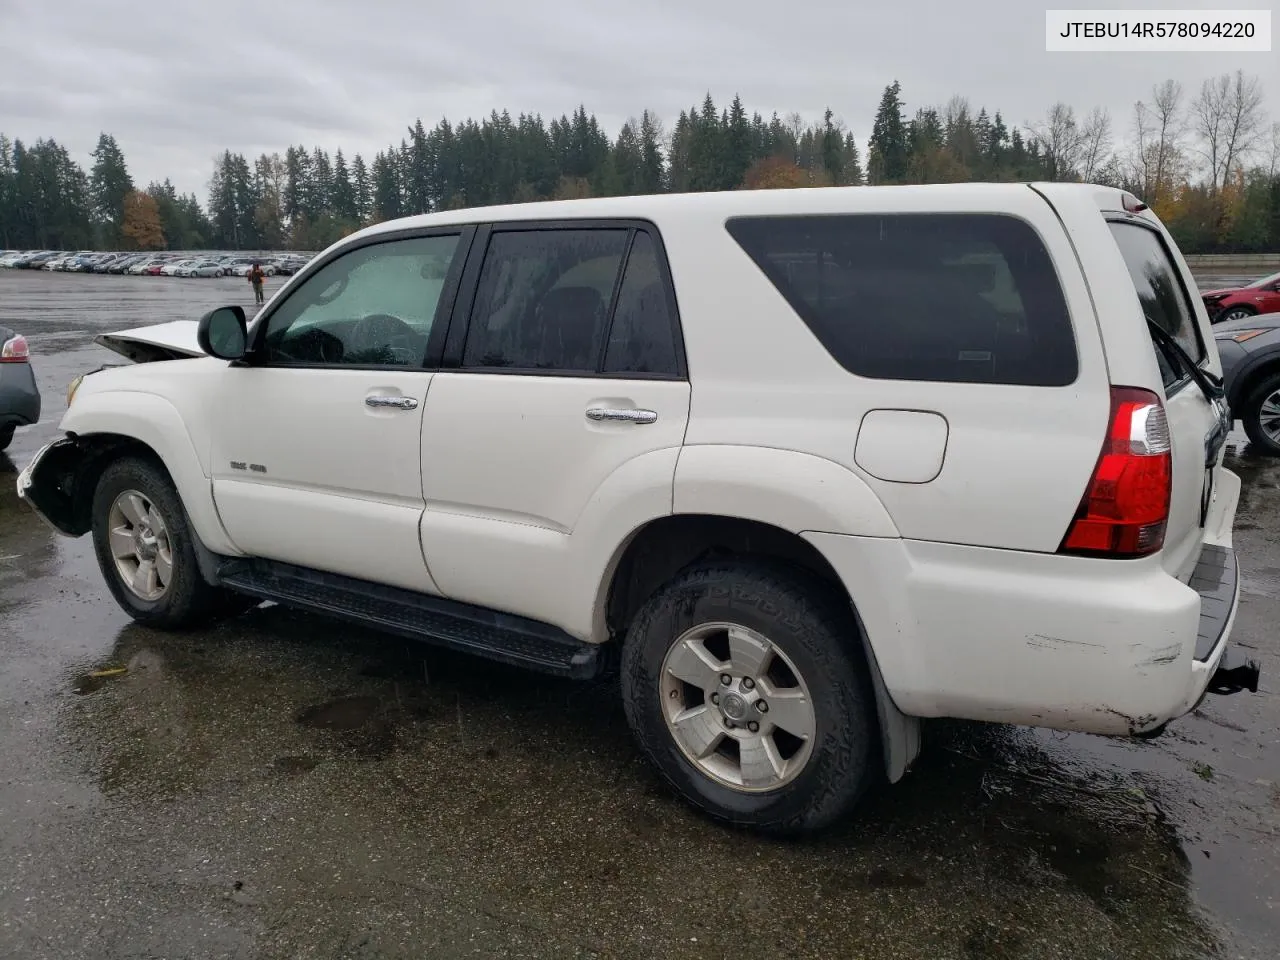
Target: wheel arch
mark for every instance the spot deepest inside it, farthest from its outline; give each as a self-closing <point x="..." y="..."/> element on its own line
<point x="659" y="549"/>
<point x="1247" y="381"/>
<point x="111" y="424"/>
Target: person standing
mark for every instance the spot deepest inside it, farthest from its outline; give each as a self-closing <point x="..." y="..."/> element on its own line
<point x="256" y="279"/>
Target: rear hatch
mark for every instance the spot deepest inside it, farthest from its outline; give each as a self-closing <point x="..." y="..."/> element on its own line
<point x="1138" y="278"/>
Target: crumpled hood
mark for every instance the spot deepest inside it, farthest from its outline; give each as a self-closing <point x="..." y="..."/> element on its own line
<point x="175" y="340"/>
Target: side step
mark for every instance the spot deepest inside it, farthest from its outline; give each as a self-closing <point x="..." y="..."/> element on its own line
<point x="458" y="626"/>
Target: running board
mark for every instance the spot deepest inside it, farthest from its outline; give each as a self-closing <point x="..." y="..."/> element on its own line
<point x="469" y="629"/>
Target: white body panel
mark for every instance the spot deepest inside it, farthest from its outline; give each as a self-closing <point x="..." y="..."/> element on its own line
<point x="305" y="472"/>
<point x="939" y="505"/>
<point x="512" y="467"/>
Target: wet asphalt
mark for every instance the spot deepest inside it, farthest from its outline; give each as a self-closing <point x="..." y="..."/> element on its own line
<point x="284" y="787"/>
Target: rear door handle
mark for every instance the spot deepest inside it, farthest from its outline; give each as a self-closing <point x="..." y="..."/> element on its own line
<point x="400" y="403"/>
<point x="628" y="415"/>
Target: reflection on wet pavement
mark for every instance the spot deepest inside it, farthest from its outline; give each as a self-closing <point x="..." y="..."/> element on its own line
<point x="283" y="786"/>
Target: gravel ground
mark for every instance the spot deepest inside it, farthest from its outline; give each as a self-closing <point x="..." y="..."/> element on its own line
<point x="282" y="787"/>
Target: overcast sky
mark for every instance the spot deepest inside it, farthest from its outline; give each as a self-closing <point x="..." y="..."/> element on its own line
<point x="178" y="81"/>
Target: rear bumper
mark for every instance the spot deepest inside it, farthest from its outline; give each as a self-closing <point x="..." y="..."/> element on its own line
<point x="1100" y="646"/>
<point x="19" y="395"/>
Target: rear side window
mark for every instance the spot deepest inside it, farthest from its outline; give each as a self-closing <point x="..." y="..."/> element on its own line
<point x="543" y="299"/>
<point x="1160" y="291"/>
<point x="968" y="298"/>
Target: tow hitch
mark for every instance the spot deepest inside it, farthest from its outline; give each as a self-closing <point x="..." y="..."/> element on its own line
<point x="1234" y="675"/>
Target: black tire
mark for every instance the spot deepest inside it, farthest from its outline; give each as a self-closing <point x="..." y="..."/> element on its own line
<point x="6" y="436"/>
<point x="1251" y="415"/>
<point x="189" y="600"/>
<point x="1234" y="313"/>
<point x="814" y="627"/>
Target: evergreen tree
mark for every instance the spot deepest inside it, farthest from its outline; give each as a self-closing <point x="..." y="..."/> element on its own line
<point x="738" y="152"/>
<point x="387" y="202"/>
<point x="8" y="194"/>
<point x="888" y="147"/>
<point x="652" y="179"/>
<point x="344" y="194"/>
<point x="109" y="184"/>
<point x="362" y="189"/>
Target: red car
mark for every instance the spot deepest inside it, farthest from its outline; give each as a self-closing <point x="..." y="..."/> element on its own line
<point x="1235" y="303"/>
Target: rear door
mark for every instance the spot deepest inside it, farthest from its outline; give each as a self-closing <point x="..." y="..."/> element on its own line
<point x="568" y="382"/>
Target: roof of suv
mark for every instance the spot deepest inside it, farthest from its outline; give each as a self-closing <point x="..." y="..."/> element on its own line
<point x="727" y="203"/>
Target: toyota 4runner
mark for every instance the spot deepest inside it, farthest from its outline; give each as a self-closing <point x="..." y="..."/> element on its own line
<point x="795" y="469"/>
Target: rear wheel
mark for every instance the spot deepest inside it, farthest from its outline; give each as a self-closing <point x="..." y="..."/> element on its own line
<point x="1260" y="413"/>
<point x="744" y="685"/>
<point x="6" y="436"/>
<point x="146" y="549"/>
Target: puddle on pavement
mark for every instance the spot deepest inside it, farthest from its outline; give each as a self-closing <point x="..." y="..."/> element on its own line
<point x="295" y="766"/>
<point x="344" y="714"/>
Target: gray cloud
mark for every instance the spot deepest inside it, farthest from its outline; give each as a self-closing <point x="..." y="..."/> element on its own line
<point x="178" y="83"/>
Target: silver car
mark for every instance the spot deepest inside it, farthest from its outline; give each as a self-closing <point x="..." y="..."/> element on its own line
<point x="1250" y="352"/>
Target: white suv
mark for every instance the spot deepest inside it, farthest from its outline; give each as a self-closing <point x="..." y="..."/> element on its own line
<point x="801" y="467"/>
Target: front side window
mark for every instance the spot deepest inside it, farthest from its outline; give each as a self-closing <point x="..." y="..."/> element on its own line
<point x="944" y="297"/>
<point x="543" y="299"/>
<point x="375" y="305"/>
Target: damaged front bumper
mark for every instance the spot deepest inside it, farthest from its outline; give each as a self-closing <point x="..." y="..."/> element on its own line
<point x="50" y="486"/>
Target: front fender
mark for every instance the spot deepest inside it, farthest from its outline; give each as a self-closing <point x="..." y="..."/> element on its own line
<point x="795" y="491"/>
<point x="154" y="421"/>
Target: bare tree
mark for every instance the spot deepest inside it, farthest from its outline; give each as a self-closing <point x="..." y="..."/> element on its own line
<point x="1060" y="140"/>
<point x="1273" y="152"/>
<point x="1228" y="118"/>
<point x="1095" y="150"/>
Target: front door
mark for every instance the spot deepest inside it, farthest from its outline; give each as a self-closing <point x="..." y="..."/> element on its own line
<point x="315" y="448"/>
<point x="569" y="391"/>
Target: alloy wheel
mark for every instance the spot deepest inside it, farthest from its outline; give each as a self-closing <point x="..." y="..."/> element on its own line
<point x="737" y="707"/>
<point x="140" y="546"/>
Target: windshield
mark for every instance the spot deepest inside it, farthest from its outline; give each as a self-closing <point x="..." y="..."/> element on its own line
<point x="1266" y="281"/>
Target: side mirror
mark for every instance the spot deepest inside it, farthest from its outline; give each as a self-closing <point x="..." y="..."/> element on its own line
<point x="222" y="333"/>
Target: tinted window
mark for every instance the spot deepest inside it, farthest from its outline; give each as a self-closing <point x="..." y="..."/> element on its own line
<point x="543" y="299"/>
<point x="1160" y="291"/>
<point x="950" y="297"/>
<point x="642" y="337"/>
<point x="374" y="305"/>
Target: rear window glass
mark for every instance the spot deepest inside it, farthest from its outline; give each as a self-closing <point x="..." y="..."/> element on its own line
<point x="1160" y="291"/>
<point x="950" y="297"/>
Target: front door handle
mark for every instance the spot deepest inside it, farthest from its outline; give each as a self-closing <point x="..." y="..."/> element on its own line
<point x="628" y="415"/>
<point x="400" y="403"/>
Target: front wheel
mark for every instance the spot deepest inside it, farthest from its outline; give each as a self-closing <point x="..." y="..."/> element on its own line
<point x="1261" y="415"/>
<point x="1235" y="313"/>
<point x="744" y="684"/>
<point x="146" y="549"/>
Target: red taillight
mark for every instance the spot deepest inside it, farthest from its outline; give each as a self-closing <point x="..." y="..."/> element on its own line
<point x="15" y="350"/>
<point x="1126" y="506"/>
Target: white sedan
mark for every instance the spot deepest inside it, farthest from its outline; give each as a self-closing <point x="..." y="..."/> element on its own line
<point x="173" y="269"/>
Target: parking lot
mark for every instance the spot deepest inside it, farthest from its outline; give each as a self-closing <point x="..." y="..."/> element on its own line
<point x="281" y="786"/>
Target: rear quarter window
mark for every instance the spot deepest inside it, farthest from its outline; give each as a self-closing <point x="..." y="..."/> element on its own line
<point x="1162" y="295"/>
<point x="969" y="298"/>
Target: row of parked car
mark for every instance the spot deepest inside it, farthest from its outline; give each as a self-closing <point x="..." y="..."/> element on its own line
<point x="151" y="264"/>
